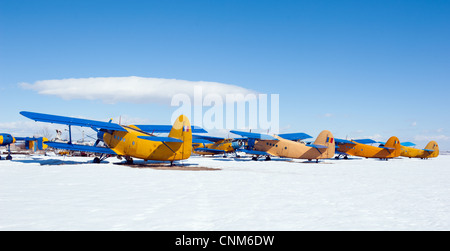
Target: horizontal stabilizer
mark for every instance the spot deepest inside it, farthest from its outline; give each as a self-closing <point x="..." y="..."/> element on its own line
<point x="387" y="148"/>
<point x="208" y="150"/>
<point x="295" y="136"/>
<point x="317" y="146"/>
<point x="166" y="128"/>
<point x="254" y="135"/>
<point x="72" y="121"/>
<point x="365" y="141"/>
<point x="428" y="150"/>
<point x="81" y="148"/>
<point x="161" y="139"/>
<point x="254" y="152"/>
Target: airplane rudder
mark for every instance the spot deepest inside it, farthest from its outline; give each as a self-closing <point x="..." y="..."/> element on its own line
<point x="182" y="130"/>
<point x="394" y="142"/>
<point x="326" y="138"/>
<point x="433" y="145"/>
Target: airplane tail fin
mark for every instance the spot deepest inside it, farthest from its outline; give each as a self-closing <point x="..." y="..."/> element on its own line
<point x="182" y="130"/>
<point x="432" y="145"/>
<point x="326" y="138"/>
<point x="394" y="142"/>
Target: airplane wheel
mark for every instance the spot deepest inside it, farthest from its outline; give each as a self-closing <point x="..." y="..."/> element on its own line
<point x="337" y="157"/>
<point x="346" y="157"/>
<point x="130" y="161"/>
<point x="268" y="158"/>
<point x="9" y="157"/>
<point x="254" y="158"/>
<point x="97" y="160"/>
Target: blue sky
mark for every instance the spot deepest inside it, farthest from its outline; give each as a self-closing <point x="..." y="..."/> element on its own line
<point x="357" y="68"/>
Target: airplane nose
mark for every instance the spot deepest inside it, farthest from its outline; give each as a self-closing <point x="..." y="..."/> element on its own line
<point x="235" y="145"/>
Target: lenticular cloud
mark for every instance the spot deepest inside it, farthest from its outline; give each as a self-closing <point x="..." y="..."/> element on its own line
<point x="129" y="89"/>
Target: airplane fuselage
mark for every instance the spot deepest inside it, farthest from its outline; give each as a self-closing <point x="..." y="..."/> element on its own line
<point x="367" y="151"/>
<point x="292" y="149"/>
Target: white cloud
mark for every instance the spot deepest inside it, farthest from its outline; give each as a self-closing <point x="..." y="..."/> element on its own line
<point x="129" y="89"/>
<point x="429" y="138"/>
<point x="414" y="123"/>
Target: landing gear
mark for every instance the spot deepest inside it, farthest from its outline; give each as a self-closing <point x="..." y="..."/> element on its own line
<point x="9" y="157"/>
<point x="129" y="160"/>
<point x="268" y="158"/>
<point x="255" y="158"/>
<point x="98" y="160"/>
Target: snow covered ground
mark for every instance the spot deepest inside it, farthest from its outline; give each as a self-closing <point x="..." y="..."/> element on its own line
<point x="56" y="193"/>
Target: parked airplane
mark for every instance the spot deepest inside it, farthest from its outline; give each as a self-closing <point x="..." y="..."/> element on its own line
<point x="430" y="151"/>
<point x="133" y="141"/>
<point x="30" y="143"/>
<point x="359" y="147"/>
<point x="208" y="145"/>
<point x="287" y="145"/>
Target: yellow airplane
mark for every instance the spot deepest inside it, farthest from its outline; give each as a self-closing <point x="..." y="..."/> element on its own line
<point x="287" y="145"/>
<point x="133" y="141"/>
<point x="208" y="145"/>
<point x="430" y="151"/>
<point x="391" y="149"/>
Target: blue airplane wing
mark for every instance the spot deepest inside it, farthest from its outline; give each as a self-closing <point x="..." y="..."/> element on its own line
<point x="252" y="135"/>
<point x="253" y="152"/>
<point x="201" y="141"/>
<point x="54" y="119"/>
<point x="365" y="141"/>
<point x="161" y="139"/>
<point x="344" y="141"/>
<point x="74" y="147"/>
<point x="166" y="128"/>
<point x="209" y="138"/>
<point x="295" y="136"/>
<point x="208" y="150"/>
<point x="407" y="144"/>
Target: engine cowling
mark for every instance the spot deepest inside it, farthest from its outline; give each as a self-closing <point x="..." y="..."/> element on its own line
<point x="6" y="139"/>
